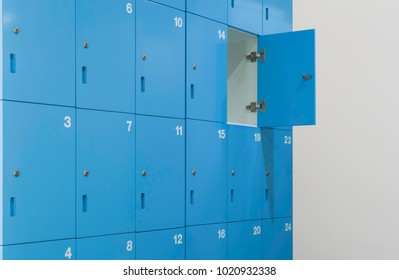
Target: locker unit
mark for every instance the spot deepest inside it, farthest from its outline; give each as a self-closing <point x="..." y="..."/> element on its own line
<point x="277" y="239"/>
<point x="207" y="242"/>
<point x="245" y="240"/>
<point x="50" y="250"/>
<point x="37" y="67"/>
<point x="206" y="181"/>
<point x="37" y="173"/>
<point x="105" y="55"/>
<point x="105" y="186"/>
<point x="160" y="173"/>
<point x="215" y="10"/>
<point x="161" y="245"/>
<point x="244" y="180"/>
<point x="111" y="247"/>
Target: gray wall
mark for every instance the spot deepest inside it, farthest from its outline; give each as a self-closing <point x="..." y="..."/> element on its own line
<point x="346" y="169"/>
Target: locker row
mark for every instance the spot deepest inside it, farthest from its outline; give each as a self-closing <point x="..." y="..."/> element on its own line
<point x="151" y="59"/>
<point x="260" y="239"/>
<point x="133" y="173"/>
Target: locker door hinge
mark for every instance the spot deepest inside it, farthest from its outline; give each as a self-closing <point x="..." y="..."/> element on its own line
<point x="254" y="106"/>
<point x="253" y="56"/>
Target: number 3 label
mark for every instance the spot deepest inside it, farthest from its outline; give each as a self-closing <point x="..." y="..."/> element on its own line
<point x="68" y="122"/>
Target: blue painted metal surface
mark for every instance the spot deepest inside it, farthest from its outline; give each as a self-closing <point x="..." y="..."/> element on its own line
<point x="245" y="160"/>
<point x="245" y="240"/>
<point x="38" y="181"/>
<point x="161" y="245"/>
<point x="178" y="4"/>
<point x="277" y="175"/>
<point x="206" y="69"/>
<point x="206" y="171"/>
<point x="286" y="80"/>
<point x="112" y="247"/>
<point x="51" y="250"/>
<point x="246" y="15"/>
<point x="207" y="242"/>
<point x="277" y="16"/>
<point x="105" y="196"/>
<point x="215" y="9"/>
<point x="105" y="55"/>
<point x="160" y="89"/>
<point x="277" y="239"/>
<point x="160" y="173"/>
<point x="39" y="51"/>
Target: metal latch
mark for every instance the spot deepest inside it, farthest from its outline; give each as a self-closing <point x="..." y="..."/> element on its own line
<point x="254" y="106"/>
<point x="253" y="56"/>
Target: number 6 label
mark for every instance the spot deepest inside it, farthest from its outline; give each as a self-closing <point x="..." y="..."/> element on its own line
<point x="129" y="8"/>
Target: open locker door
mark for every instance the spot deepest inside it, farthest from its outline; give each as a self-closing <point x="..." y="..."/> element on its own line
<point x="286" y="79"/>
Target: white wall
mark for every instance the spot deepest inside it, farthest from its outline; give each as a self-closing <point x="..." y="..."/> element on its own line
<point x="346" y="169"/>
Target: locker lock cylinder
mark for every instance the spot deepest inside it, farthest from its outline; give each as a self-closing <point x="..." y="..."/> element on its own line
<point x="86" y="173"/>
<point x="17" y="173"/>
<point x="233" y="172"/>
<point x="194" y="172"/>
<point x="144" y="56"/>
<point x="144" y="173"/>
<point x="85" y="45"/>
<point x="16" y="30"/>
<point x="267" y="173"/>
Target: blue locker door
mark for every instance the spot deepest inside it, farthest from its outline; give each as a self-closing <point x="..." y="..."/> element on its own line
<point x="277" y="239"/>
<point x="277" y="16"/>
<point x="215" y="9"/>
<point x="161" y="245"/>
<point x="178" y="4"/>
<point x="39" y="51"/>
<point x="51" y="250"/>
<point x="245" y="240"/>
<point x="106" y="55"/>
<point x="246" y="15"/>
<point x="160" y="60"/>
<point x="207" y="242"/>
<point x="206" y="69"/>
<point x="206" y="172"/>
<point x="289" y="95"/>
<point x="160" y="168"/>
<point x="277" y="193"/>
<point x="105" y="173"/>
<point x="38" y="172"/>
<point x="245" y="159"/>
<point x="112" y="247"/>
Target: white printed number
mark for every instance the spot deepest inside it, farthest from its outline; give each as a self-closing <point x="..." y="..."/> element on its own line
<point x="129" y="246"/>
<point x="222" y="134"/>
<point x="179" y="130"/>
<point x="129" y="8"/>
<point x="257" y="230"/>
<point x="222" y="233"/>
<point x="68" y="253"/>
<point x="258" y="137"/>
<point x="129" y="125"/>
<point x="68" y="122"/>
<point x="288" y="227"/>
<point x="179" y="22"/>
<point x="178" y="239"/>
<point x="287" y="140"/>
<point x="222" y="34"/>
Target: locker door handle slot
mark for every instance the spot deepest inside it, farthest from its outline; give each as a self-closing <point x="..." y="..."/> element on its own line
<point x="232" y="196"/>
<point x="232" y="3"/>
<point x="191" y="197"/>
<point x="84" y="75"/>
<point x="192" y="91"/>
<point x="142" y="84"/>
<point x="142" y="201"/>
<point x="84" y="203"/>
<point x="267" y="194"/>
<point x="13" y="63"/>
<point x="12" y="207"/>
<point x="267" y="14"/>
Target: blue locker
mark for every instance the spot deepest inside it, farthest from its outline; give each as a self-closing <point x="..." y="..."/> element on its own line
<point x="105" y="173"/>
<point x="277" y="148"/>
<point x="245" y="240"/>
<point x="277" y="239"/>
<point x="206" y="69"/>
<point x="50" y="250"/>
<point x="206" y="173"/>
<point x="245" y="159"/>
<point x="289" y="96"/>
<point x="207" y="242"/>
<point x="39" y="51"/>
<point x="178" y="4"/>
<point x="277" y="16"/>
<point x="112" y="247"/>
<point x="106" y="55"/>
<point x="160" y="173"/>
<point x="215" y="9"/>
<point x="246" y="15"/>
<point x="160" y="60"/>
<point x="161" y="245"/>
<point x="38" y="173"/>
